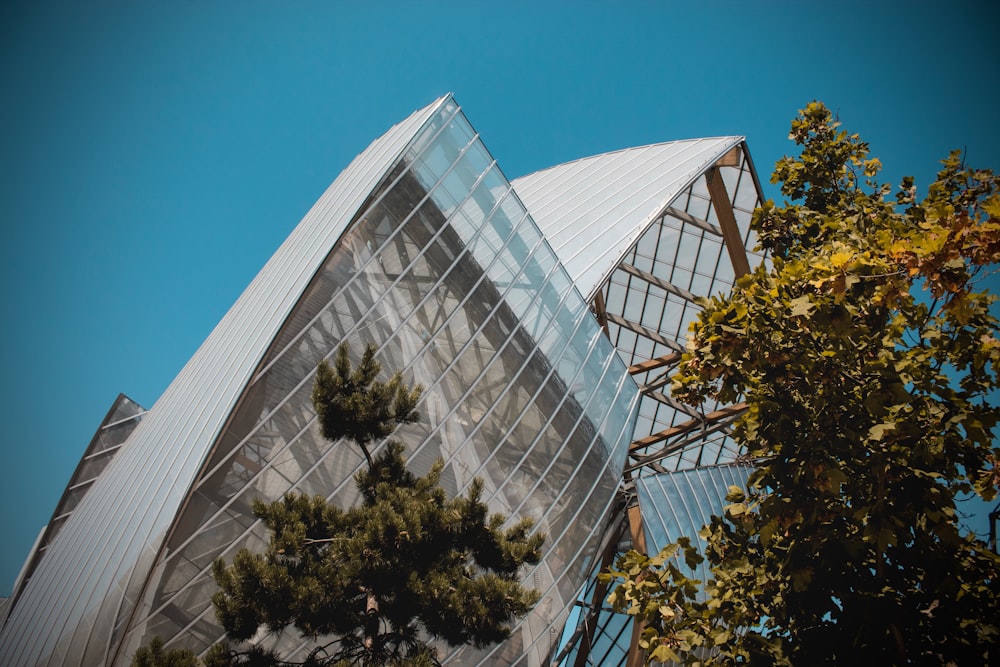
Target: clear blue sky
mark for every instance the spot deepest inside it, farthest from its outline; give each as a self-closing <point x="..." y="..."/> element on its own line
<point x="154" y="154"/>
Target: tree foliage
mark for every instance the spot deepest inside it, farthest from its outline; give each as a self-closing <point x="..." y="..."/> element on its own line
<point x="868" y="358"/>
<point x="372" y="582"/>
<point x="154" y="655"/>
<point x="351" y="403"/>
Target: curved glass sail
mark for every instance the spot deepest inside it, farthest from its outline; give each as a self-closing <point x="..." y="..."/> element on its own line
<point x="445" y="272"/>
<point x="542" y="319"/>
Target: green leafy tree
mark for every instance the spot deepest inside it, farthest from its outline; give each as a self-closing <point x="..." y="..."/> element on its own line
<point x="372" y="582"/>
<point x="868" y="358"/>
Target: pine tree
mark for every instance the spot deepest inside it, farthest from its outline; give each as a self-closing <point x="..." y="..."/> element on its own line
<point x="154" y="655"/>
<point x="371" y="583"/>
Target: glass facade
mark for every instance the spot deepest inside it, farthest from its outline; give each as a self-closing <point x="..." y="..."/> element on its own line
<point x="697" y="244"/>
<point x="676" y="504"/>
<point x="424" y="249"/>
<point x="446" y="273"/>
<point x="96" y="570"/>
<point x="651" y="301"/>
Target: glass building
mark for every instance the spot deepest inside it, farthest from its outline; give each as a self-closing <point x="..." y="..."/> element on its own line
<point x="543" y="318"/>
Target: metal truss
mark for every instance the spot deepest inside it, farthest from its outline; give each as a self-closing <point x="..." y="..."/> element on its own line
<point x="674" y="432"/>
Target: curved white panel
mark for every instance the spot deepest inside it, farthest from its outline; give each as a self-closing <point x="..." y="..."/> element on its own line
<point x="592" y="210"/>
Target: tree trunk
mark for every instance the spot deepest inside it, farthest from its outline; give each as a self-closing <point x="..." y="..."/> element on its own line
<point x="371" y="621"/>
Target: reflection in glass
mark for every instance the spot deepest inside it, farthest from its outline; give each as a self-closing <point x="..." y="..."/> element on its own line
<point x="449" y="277"/>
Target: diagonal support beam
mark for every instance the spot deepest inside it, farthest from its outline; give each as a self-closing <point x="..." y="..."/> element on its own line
<point x="659" y="282"/>
<point x="601" y="312"/>
<point x="659" y="382"/>
<point x="646" y="332"/>
<point x="636" y="655"/>
<point x="660" y="397"/>
<point x="693" y="438"/>
<point x="686" y="427"/>
<point x="703" y="225"/>
<point x="653" y="364"/>
<point x="727" y="221"/>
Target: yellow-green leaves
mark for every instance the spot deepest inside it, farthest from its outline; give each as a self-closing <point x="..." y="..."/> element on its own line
<point x="801" y="306"/>
<point x="868" y="358"/>
<point x="879" y="431"/>
<point x="839" y="260"/>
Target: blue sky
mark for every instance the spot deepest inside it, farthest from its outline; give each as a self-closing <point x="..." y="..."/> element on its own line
<point x="154" y="154"/>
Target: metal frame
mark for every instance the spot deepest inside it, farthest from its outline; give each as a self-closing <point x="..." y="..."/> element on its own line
<point x="649" y="450"/>
<point x="656" y="290"/>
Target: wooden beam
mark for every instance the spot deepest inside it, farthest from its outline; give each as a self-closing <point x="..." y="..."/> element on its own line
<point x="731" y="158"/>
<point x="636" y="529"/>
<point x="703" y="225"/>
<point x="665" y="434"/>
<point x="601" y="312"/>
<point x="659" y="282"/>
<point x="677" y="445"/>
<point x="660" y="381"/>
<point x="660" y="397"/>
<point x="727" y="221"/>
<point x="636" y="656"/>
<point x="653" y="364"/>
<point x="645" y="332"/>
<point x="687" y="426"/>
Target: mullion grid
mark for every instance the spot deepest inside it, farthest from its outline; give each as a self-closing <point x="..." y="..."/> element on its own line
<point x="242" y="484"/>
<point x="605" y="513"/>
<point x="399" y="233"/>
<point x="389" y="183"/>
<point x="596" y="435"/>
<point x="247" y="484"/>
<point x="664" y="416"/>
<point x="564" y="296"/>
<point x="357" y="315"/>
<point x="691" y="205"/>
<point x="251" y="528"/>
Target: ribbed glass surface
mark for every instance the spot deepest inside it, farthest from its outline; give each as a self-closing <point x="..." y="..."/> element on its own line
<point x="600" y="636"/>
<point x="111" y="435"/>
<point x="675" y="504"/>
<point x="684" y="251"/>
<point x="641" y="230"/>
<point x="422" y="248"/>
<point x="444" y="271"/>
<point x="593" y="209"/>
<point x="704" y="192"/>
<point x="678" y="504"/>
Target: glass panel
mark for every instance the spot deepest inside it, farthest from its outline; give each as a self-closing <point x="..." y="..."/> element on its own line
<point x="458" y="291"/>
